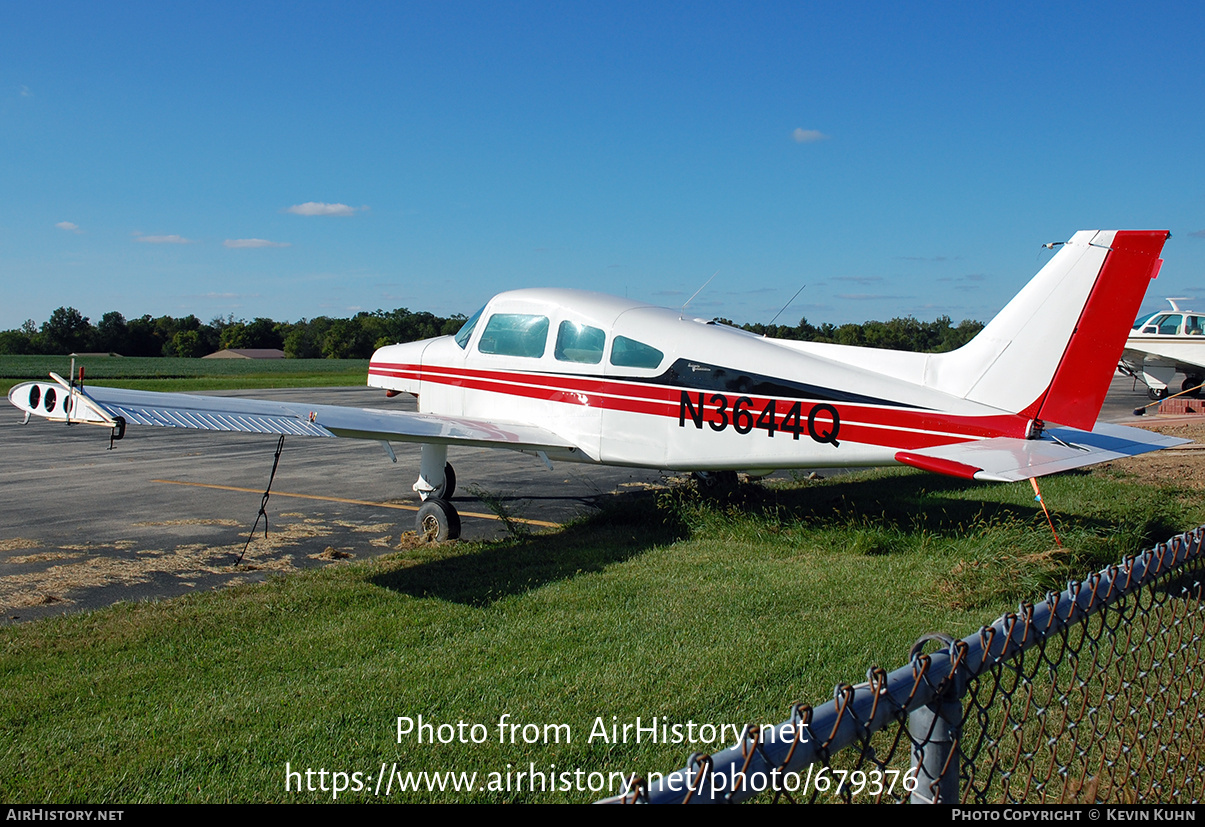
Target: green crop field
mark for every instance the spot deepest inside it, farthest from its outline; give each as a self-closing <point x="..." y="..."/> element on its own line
<point x="174" y="374"/>
<point x="665" y="605"/>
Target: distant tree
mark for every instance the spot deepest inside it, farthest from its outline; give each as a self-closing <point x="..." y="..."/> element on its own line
<point x="188" y="344"/>
<point x="452" y="324"/>
<point x="15" y="342"/>
<point x="66" y="330"/>
<point x="111" y="334"/>
<point x="347" y="339"/>
<point x="140" y="337"/>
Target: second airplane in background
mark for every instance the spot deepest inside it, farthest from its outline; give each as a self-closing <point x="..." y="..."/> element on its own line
<point x="1164" y="344"/>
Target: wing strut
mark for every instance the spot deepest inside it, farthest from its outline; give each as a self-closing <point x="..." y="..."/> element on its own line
<point x="280" y="446"/>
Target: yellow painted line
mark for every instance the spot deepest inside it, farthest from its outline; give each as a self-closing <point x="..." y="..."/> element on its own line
<point x="399" y="506"/>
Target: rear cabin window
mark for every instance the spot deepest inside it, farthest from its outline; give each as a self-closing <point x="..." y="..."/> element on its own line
<point x="515" y="334"/>
<point x="581" y="343"/>
<point x="629" y="353"/>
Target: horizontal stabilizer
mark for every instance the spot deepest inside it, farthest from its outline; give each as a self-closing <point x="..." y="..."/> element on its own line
<point x="1008" y="459"/>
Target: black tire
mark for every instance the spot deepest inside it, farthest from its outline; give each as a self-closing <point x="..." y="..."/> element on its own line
<point x="449" y="483"/>
<point x="1157" y="393"/>
<point x="717" y="482"/>
<point x="1192" y="381"/>
<point x="437" y="521"/>
<point x="445" y="491"/>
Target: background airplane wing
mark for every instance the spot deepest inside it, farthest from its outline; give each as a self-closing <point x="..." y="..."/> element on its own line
<point x="1008" y="459"/>
<point x="104" y="406"/>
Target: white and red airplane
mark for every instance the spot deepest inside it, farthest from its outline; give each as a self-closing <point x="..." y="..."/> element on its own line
<point x="584" y="377"/>
<point x="1163" y="344"/>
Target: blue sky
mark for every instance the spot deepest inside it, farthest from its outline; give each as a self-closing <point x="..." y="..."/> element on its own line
<point x="296" y="160"/>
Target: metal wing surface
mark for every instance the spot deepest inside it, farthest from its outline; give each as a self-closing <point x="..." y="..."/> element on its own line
<point x="100" y="405"/>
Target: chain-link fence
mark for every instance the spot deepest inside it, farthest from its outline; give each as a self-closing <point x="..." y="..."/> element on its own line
<point x="1093" y="695"/>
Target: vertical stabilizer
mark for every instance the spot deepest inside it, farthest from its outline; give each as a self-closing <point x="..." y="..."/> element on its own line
<point x="1090" y="360"/>
<point x="1051" y="352"/>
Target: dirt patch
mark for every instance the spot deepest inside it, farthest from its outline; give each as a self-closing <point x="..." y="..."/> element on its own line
<point x="333" y="553"/>
<point x="146" y="524"/>
<point x="97" y="566"/>
<point x="1182" y="466"/>
<point x="18" y="543"/>
<point x="45" y="556"/>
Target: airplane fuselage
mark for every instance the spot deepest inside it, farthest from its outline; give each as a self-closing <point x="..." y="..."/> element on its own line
<point x="1164" y="344"/>
<point x="632" y="384"/>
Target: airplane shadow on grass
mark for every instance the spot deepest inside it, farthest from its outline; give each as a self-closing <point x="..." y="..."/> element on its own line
<point x="632" y="523"/>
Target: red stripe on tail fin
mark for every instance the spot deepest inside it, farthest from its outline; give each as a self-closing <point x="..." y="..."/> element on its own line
<point x="1082" y="379"/>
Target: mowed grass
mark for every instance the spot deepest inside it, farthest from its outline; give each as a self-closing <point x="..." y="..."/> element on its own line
<point x="187" y="375"/>
<point x="666" y="604"/>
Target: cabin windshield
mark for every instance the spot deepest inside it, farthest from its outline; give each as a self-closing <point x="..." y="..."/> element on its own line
<point x="1143" y="320"/>
<point x="466" y="330"/>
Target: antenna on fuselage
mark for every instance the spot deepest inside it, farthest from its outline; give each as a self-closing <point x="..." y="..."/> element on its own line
<point x="785" y="306"/>
<point x="682" y="312"/>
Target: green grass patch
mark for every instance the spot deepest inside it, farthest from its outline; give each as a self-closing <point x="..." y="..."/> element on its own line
<point x="667" y="604"/>
<point x="175" y="374"/>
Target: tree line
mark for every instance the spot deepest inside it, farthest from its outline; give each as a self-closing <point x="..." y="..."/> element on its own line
<point x="69" y="331"/>
<point x="938" y="336"/>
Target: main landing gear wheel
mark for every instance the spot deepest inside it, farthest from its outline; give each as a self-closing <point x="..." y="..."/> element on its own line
<point x="437" y="521"/>
<point x="1193" y="381"/>
<point x="1157" y="393"/>
<point x="717" y="482"/>
<point x="445" y="491"/>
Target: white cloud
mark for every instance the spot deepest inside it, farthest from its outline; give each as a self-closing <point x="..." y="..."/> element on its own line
<point x="808" y="136"/>
<point x="321" y="208"/>
<point x="68" y="226"/>
<point x="163" y="239"/>
<point x="25" y="93"/>
<point x="244" y="243"/>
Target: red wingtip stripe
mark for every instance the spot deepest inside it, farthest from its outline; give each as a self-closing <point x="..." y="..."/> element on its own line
<point x="936" y="465"/>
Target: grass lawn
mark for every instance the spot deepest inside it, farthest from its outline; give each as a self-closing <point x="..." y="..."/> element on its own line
<point x="664" y="605"/>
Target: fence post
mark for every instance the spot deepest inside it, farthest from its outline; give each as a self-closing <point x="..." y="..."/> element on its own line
<point x="934" y="730"/>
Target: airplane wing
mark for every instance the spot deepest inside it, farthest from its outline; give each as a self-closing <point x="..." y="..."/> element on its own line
<point x="116" y="408"/>
<point x="1008" y="459"/>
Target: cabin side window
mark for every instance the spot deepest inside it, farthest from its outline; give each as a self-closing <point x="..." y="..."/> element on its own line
<point x="1194" y="326"/>
<point x="466" y="329"/>
<point x="576" y="342"/>
<point x="515" y="334"/>
<point x="629" y="353"/>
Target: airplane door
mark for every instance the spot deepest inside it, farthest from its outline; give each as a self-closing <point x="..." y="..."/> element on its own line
<point x="635" y="424"/>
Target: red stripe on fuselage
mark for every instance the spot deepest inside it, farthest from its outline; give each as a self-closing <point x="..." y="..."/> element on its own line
<point x="901" y="428"/>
